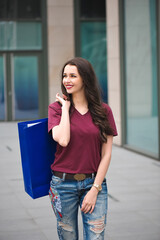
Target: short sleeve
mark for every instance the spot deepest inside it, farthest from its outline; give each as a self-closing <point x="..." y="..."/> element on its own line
<point x="111" y="119"/>
<point x="54" y="115"/>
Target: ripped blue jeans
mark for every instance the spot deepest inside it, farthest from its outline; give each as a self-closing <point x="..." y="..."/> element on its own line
<point x="66" y="197"/>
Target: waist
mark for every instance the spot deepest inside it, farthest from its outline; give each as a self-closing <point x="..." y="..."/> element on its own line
<point x="75" y="177"/>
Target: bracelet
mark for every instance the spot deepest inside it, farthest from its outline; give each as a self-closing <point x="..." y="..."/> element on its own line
<point x="98" y="187"/>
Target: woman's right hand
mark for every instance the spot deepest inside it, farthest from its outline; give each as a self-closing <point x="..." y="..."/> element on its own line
<point x="63" y="101"/>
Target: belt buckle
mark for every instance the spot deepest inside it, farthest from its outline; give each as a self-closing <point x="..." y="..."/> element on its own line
<point x="79" y="176"/>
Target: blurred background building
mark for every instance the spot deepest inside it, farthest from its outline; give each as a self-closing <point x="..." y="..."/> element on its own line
<point x="119" y="37"/>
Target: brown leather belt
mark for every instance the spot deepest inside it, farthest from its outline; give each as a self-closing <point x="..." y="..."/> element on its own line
<point x="77" y="177"/>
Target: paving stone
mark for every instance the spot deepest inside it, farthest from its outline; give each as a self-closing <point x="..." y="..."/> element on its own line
<point x="23" y="235"/>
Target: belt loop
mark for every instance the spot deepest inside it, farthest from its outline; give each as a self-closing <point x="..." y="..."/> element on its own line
<point x="64" y="176"/>
<point x="93" y="175"/>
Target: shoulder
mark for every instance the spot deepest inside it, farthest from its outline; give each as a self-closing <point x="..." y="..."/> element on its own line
<point x="108" y="111"/>
<point x="55" y="106"/>
<point x="106" y="107"/>
<point x="110" y="118"/>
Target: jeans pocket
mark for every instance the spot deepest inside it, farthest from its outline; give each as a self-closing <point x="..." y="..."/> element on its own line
<point x="56" y="180"/>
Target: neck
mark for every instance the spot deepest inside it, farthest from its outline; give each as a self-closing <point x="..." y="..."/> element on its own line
<point x="79" y="100"/>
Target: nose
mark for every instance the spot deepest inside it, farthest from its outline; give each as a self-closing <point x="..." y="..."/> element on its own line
<point x="67" y="79"/>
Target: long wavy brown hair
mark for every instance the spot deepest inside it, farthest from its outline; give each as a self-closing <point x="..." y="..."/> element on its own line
<point x="92" y="93"/>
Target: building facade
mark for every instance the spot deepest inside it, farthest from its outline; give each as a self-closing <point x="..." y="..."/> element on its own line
<point x="119" y="37"/>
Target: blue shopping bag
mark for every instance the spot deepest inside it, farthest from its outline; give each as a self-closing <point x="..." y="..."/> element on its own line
<point x="37" y="149"/>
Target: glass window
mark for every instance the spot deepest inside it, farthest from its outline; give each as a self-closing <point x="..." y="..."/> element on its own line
<point x="2" y="90"/>
<point x="7" y="9"/>
<point x="20" y="9"/>
<point x="93" y="48"/>
<point x="25" y="82"/>
<point x="28" y="9"/>
<point x="3" y="9"/>
<point x="141" y="75"/>
<point x="92" y="38"/>
<point x="20" y="35"/>
<point x="92" y="9"/>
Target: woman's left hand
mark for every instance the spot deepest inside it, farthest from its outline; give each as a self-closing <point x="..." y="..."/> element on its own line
<point x="89" y="201"/>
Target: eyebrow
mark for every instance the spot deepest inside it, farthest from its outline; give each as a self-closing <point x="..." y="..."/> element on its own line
<point x="69" y="73"/>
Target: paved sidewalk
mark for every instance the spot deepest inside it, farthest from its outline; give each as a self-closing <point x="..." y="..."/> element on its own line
<point x="134" y="197"/>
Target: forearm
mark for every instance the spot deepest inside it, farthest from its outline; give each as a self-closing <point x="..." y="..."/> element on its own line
<point x="61" y="133"/>
<point x="102" y="169"/>
<point x="105" y="160"/>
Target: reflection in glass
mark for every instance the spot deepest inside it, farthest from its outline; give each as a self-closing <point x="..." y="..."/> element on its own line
<point x="141" y="75"/>
<point x="2" y="90"/>
<point x="93" y="48"/>
<point x="20" y="35"/>
<point x="25" y="82"/>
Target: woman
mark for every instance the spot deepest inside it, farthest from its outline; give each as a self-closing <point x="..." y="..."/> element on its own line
<point x="83" y="128"/>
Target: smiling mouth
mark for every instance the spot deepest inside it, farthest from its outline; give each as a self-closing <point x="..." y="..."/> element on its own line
<point x="69" y="86"/>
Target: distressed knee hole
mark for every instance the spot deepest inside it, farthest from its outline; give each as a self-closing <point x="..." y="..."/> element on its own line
<point x="98" y="225"/>
<point x="65" y="226"/>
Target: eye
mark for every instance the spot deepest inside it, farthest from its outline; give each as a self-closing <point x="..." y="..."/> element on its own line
<point x="64" y="75"/>
<point x="73" y="75"/>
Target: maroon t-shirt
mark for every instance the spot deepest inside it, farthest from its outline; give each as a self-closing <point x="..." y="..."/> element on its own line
<point x="83" y="152"/>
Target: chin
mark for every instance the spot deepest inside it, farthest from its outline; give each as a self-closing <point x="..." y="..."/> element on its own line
<point x="69" y="91"/>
